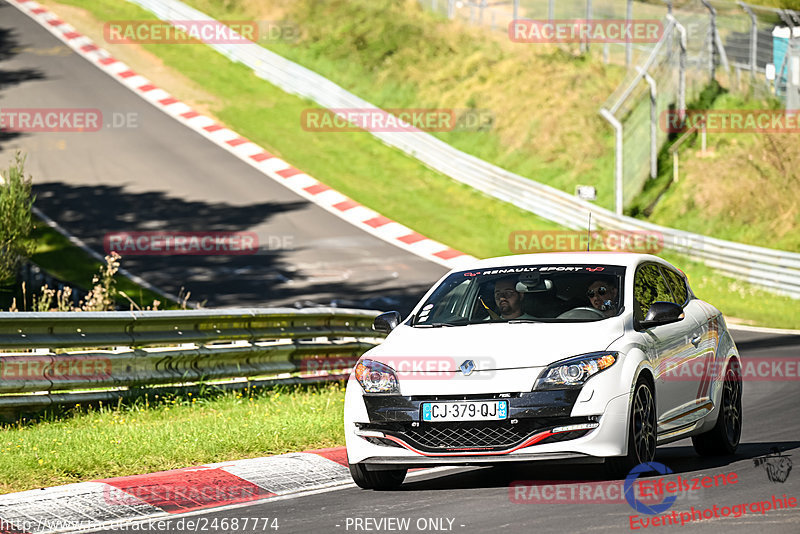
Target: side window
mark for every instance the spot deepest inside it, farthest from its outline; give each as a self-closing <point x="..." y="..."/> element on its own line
<point x="648" y="287"/>
<point x="678" y="286"/>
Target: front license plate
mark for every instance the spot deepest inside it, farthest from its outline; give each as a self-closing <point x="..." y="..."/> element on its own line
<point x="464" y="411"/>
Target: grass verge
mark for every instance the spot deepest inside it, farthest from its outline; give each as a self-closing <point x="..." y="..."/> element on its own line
<point x="743" y="187"/>
<point x="159" y="434"/>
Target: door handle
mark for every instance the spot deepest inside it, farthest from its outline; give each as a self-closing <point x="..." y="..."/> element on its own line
<point x="696" y="339"/>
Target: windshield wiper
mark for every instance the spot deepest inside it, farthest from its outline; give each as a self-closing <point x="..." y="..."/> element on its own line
<point x="438" y="325"/>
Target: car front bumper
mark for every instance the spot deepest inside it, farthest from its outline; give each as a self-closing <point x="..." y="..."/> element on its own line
<point x="540" y="426"/>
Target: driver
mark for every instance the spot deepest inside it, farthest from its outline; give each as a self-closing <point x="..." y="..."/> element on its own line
<point x="509" y="300"/>
<point x="603" y="296"/>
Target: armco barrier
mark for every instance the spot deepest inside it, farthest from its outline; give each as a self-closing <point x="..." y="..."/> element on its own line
<point x="134" y="349"/>
<point x="776" y="270"/>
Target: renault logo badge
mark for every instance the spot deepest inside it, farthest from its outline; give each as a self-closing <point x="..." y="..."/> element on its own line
<point x="467" y="367"/>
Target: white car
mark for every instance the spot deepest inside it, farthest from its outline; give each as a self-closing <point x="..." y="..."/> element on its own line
<point x="583" y="357"/>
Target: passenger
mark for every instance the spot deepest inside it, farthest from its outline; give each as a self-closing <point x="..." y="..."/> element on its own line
<point x="509" y="300"/>
<point x="603" y="296"/>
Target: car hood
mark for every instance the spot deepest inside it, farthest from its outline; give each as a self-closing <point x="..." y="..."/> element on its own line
<point x="493" y="345"/>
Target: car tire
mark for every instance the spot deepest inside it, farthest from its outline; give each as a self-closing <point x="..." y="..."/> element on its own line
<point x="377" y="480"/>
<point x="641" y="432"/>
<point x="723" y="439"/>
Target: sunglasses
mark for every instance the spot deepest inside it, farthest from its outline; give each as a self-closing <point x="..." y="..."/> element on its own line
<point x="602" y="290"/>
<point x="508" y="293"/>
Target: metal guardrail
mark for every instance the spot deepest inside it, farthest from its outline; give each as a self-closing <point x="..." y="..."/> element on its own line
<point x="138" y="349"/>
<point x="773" y="269"/>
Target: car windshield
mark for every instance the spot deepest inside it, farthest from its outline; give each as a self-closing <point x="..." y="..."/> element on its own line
<point x="525" y="293"/>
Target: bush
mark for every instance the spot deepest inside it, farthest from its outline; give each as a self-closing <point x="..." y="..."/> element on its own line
<point x="16" y="201"/>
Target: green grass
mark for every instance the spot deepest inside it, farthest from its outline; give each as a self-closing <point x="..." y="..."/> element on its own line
<point x="473" y="71"/>
<point x="162" y="434"/>
<point x="58" y="256"/>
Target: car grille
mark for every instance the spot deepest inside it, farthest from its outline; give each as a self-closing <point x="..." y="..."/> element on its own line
<point x="484" y="435"/>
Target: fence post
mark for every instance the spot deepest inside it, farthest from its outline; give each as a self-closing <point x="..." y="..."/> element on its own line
<point x="585" y="45"/>
<point x="451" y="12"/>
<point x="516" y="9"/>
<point x="653" y="122"/>
<point x="753" y="38"/>
<point x="618" y="198"/>
<point x="712" y="38"/>
<point x="682" y="69"/>
<point x="551" y="10"/>
<point x="628" y="43"/>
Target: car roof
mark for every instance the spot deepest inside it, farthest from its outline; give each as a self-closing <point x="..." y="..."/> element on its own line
<point x="624" y="259"/>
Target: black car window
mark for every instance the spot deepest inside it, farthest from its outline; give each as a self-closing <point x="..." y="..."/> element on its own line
<point x="678" y="285"/>
<point x="649" y="286"/>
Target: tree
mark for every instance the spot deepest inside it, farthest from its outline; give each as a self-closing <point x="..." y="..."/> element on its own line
<point x="16" y="244"/>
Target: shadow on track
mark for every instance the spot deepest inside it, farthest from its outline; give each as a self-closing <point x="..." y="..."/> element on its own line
<point x="9" y="47"/>
<point x="679" y="459"/>
<point x="266" y="278"/>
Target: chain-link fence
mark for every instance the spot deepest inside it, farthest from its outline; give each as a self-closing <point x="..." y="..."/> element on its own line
<point x="749" y="47"/>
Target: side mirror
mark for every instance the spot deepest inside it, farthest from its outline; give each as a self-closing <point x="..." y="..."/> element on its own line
<point x="386" y="322"/>
<point x="661" y="313"/>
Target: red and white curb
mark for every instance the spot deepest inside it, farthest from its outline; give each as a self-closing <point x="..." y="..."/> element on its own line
<point x="247" y="151"/>
<point x="116" y="501"/>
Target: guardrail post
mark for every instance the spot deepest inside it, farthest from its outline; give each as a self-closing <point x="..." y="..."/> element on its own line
<point x="653" y="122"/>
<point x="618" y="198"/>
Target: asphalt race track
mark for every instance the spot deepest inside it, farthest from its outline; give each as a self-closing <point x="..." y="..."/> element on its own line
<point x="160" y="175"/>
<point x="163" y="176"/>
<point x="479" y="500"/>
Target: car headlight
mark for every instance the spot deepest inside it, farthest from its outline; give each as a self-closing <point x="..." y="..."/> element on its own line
<point x="574" y="372"/>
<point x="376" y="377"/>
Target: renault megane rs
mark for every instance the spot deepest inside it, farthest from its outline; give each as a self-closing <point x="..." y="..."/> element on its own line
<point x="582" y="357"/>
